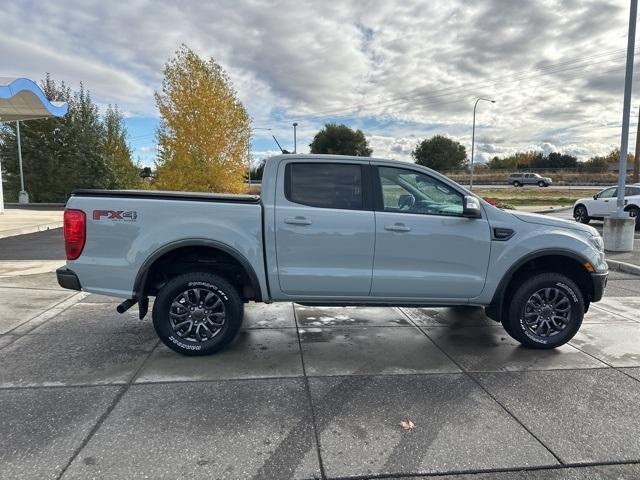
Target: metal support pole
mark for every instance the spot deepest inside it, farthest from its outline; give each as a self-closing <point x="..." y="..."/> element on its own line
<point x="473" y="136"/>
<point x="473" y="141"/>
<point x="249" y="160"/>
<point x="1" y="192"/>
<point x="626" y="110"/>
<point x="295" y="140"/>
<point x="636" y="160"/>
<point x="23" y="197"/>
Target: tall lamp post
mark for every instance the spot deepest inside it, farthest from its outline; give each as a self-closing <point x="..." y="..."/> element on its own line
<point x="295" y="140"/>
<point x="619" y="226"/>
<point x="473" y="134"/>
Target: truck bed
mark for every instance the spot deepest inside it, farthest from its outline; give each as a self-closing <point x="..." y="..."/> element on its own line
<point x="168" y="195"/>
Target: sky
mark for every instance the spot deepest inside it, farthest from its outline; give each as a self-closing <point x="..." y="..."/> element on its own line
<point x="401" y="71"/>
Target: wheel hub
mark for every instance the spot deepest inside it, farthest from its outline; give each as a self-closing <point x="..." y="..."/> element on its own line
<point x="197" y="314"/>
<point x="547" y="312"/>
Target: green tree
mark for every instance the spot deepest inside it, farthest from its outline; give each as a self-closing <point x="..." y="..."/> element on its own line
<point x="125" y="174"/>
<point x="597" y="164"/>
<point x="440" y="153"/>
<point x="204" y="128"/>
<point x="340" y="140"/>
<point x="258" y="170"/>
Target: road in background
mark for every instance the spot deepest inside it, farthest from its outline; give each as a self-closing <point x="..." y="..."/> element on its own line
<point x="552" y="187"/>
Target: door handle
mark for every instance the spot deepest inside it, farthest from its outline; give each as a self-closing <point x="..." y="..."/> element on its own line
<point x="297" y="221"/>
<point x="397" y="227"/>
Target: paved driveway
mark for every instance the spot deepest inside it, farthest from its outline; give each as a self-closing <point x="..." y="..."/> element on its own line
<point x="312" y="392"/>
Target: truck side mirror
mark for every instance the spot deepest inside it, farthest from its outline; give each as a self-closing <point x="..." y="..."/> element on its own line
<point x="471" y="207"/>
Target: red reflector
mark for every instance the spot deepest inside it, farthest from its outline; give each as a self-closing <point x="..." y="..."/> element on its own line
<point x="74" y="233"/>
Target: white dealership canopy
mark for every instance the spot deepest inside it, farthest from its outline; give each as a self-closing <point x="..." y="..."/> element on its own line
<point x="22" y="99"/>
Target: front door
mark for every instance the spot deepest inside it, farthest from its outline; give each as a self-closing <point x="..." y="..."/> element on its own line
<point x="424" y="247"/>
<point x="324" y="229"/>
<point x="605" y="204"/>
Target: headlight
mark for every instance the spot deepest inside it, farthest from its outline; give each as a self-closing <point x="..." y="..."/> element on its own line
<point x="597" y="242"/>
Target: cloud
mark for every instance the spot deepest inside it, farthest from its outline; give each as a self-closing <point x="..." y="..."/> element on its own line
<point x="401" y="71"/>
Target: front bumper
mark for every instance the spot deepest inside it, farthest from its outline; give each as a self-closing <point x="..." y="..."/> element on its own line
<point x="68" y="279"/>
<point x="599" y="281"/>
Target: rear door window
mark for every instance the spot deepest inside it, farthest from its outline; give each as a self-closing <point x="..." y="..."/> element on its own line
<point x="325" y="185"/>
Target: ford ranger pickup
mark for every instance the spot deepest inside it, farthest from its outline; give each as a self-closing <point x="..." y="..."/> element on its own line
<point x="330" y="230"/>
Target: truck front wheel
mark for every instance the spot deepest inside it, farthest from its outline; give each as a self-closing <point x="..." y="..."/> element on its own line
<point x="545" y="311"/>
<point x="197" y="313"/>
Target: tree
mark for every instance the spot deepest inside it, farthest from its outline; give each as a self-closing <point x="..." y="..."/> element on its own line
<point x="595" y="164"/>
<point x="336" y="139"/>
<point x="117" y="153"/>
<point x="440" y="153"/>
<point x="204" y="129"/>
<point x="258" y="170"/>
<point x="554" y="160"/>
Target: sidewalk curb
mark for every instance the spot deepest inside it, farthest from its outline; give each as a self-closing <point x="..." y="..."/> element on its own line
<point x="553" y="210"/>
<point x="624" y="267"/>
<point x="30" y="229"/>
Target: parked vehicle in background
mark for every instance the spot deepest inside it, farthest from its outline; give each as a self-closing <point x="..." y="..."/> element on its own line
<point x="521" y="179"/>
<point x="330" y="230"/>
<point x="604" y="203"/>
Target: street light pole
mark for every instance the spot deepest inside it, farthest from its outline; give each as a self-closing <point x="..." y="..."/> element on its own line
<point x="295" y="140"/>
<point x="473" y="135"/>
<point x="619" y="226"/>
<point x="626" y="109"/>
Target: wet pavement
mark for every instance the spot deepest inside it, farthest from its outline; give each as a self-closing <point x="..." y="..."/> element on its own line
<point x="313" y="392"/>
<point x="309" y="392"/>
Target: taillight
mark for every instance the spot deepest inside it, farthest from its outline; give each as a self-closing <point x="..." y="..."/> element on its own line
<point x="75" y="232"/>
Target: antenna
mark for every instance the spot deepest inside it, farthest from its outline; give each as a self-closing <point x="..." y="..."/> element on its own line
<point x="278" y="143"/>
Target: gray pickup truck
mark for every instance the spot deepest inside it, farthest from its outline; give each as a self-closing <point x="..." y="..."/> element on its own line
<point x="330" y="230"/>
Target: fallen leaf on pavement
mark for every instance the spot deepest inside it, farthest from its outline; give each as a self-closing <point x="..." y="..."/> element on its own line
<point x="407" y="424"/>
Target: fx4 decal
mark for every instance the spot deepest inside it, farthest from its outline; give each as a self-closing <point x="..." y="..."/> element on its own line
<point x="116" y="215"/>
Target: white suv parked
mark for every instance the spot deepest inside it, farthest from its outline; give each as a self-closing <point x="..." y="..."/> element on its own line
<point x="603" y="204"/>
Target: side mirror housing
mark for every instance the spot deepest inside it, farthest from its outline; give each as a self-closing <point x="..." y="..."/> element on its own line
<point x="595" y="197"/>
<point x="471" y="207"/>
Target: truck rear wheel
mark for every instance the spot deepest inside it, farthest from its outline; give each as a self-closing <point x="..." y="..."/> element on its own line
<point x="546" y="311"/>
<point x="197" y="313"/>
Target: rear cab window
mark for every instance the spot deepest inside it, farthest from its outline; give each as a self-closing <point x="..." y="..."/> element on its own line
<point x="325" y="185"/>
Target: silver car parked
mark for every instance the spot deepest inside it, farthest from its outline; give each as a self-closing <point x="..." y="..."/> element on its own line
<point x="521" y="179"/>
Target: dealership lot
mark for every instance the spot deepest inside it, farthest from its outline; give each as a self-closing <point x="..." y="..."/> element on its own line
<point x="310" y="392"/>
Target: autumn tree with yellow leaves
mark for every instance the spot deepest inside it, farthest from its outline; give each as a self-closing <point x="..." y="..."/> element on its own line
<point x="204" y="130"/>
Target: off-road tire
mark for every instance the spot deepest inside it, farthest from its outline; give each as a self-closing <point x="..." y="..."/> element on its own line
<point x="231" y="305"/>
<point x="517" y="184"/>
<point x="515" y="323"/>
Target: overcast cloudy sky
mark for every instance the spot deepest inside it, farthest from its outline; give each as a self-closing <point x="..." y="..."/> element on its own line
<point x="399" y="70"/>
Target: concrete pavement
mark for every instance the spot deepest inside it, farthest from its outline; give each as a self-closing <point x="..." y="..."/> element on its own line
<point x="311" y="392"/>
<point x="20" y="221"/>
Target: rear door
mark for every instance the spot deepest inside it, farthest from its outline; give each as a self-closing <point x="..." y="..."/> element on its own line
<point x="325" y="229"/>
<point x="424" y="247"/>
